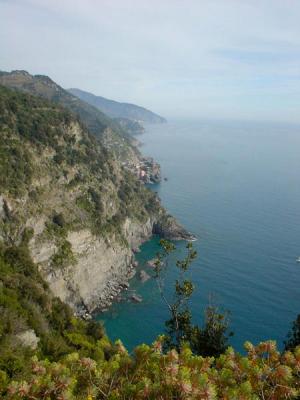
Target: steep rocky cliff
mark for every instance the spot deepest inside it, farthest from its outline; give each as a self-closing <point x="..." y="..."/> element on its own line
<point x="82" y="212"/>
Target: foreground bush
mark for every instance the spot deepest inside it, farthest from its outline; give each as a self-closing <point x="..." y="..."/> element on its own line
<point x="264" y="373"/>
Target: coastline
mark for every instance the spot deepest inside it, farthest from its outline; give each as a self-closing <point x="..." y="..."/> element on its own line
<point x="167" y="228"/>
<point x="164" y="226"/>
<point x="208" y="191"/>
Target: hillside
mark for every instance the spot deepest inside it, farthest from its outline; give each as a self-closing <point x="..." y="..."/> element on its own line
<point x="43" y="86"/>
<point x="33" y="321"/>
<point x="46" y="353"/>
<point x="112" y="135"/>
<point x="116" y="109"/>
<point x="85" y="211"/>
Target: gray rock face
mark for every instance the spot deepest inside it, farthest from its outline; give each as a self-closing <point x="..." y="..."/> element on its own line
<point x="102" y="269"/>
<point x="103" y="265"/>
<point x="169" y="228"/>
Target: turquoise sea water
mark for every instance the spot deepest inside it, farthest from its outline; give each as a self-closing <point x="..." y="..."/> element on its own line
<point x="236" y="186"/>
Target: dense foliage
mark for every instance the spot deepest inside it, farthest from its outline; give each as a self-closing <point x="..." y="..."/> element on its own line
<point x="28" y="122"/>
<point x="211" y="339"/>
<point x="27" y="305"/>
<point x="293" y="338"/>
<point x="43" y="86"/>
<point x="74" y="359"/>
<point x="96" y="121"/>
<point x="263" y="373"/>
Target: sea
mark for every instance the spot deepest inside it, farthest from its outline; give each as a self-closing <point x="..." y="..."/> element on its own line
<point x="236" y="186"/>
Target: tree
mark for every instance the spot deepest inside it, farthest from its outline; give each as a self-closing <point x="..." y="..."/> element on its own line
<point x="212" y="339"/>
<point x="209" y="340"/>
<point x="293" y="337"/>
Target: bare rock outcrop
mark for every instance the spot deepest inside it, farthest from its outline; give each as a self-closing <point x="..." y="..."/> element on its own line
<point x="169" y="228"/>
<point x="102" y="265"/>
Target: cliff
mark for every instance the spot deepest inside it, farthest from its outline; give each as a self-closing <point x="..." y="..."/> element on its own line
<point x="83" y="213"/>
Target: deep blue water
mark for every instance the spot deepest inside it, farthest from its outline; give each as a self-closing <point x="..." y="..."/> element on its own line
<point x="237" y="187"/>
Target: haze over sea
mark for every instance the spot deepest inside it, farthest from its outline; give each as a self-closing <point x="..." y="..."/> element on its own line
<point x="236" y="186"/>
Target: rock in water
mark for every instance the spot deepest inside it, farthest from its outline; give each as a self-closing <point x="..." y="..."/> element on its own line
<point x="143" y="276"/>
<point x="136" y="298"/>
<point x="169" y="228"/>
<point x="151" y="263"/>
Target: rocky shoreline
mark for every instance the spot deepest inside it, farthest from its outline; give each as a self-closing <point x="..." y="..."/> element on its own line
<point x="112" y="293"/>
<point x="103" y="266"/>
<point x="114" y="290"/>
<point x="75" y="205"/>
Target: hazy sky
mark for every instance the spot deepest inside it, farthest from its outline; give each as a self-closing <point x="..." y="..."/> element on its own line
<point x="191" y="58"/>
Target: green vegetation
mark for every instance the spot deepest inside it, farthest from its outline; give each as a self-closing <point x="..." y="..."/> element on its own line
<point x="15" y="166"/>
<point x="26" y="121"/>
<point x="211" y="339"/>
<point x="149" y="374"/>
<point x="293" y="337"/>
<point x="98" y="123"/>
<point x="74" y="359"/>
<point x="37" y="119"/>
<point x="57" y="231"/>
<point x="64" y="255"/>
<point x="47" y="154"/>
<point x="26" y="303"/>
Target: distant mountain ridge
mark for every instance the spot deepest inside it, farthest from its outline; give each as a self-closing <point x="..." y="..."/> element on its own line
<point x="115" y="109"/>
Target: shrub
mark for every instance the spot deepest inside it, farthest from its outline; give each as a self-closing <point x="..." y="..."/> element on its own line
<point x="263" y="373"/>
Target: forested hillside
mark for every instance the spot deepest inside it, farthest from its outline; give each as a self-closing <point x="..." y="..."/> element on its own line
<point x="112" y="135"/>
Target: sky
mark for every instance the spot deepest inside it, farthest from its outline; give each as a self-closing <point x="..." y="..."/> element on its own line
<point x="235" y="59"/>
